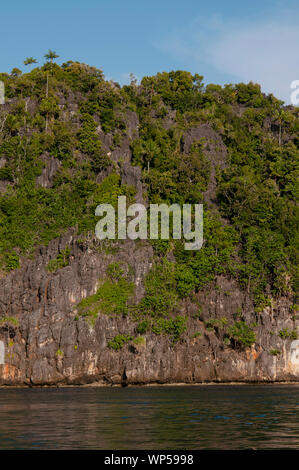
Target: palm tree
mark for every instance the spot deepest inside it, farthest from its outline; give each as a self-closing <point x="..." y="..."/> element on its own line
<point x="51" y="55"/>
<point x="30" y="61"/>
<point x="151" y="150"/>
<point x="283" y="117"/>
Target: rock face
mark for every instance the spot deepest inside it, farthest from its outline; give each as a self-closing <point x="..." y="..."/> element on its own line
<point x="131" y="176"/>
<point x="44" y="342"/>
<point x="48" y="172"/>
<point x="49" y="345"/>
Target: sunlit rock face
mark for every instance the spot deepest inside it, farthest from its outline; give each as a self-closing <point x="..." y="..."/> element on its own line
<point x="2" y="353"/>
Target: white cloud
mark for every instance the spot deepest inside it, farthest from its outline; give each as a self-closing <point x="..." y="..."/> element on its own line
<point x="265" y="50"/>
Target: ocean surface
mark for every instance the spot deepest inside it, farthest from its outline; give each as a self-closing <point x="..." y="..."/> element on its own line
<point x="159" y="417"/>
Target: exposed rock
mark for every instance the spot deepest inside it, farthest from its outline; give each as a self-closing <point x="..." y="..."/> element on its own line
<point x="131" y="175"/>
<point x="48" y="172"/>
<point x="3" y="183"/>
<point x="132" y="124"/>
<point x="3" y="186"/>
<point x="169" y="119"/>
<point x="50" y="345"/>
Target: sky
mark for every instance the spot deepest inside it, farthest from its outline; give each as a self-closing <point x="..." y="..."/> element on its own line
<point x="225" y="41"/>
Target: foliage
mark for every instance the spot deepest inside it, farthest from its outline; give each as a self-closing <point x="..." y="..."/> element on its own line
<point x="12" y="261"/>
<point x="241" y="333"/>
<point x="216" y="323"/>
<point x="10" y="320"/>
<point x="111" y="297"/>
<point x="143" y="326"/>
<point x="119" y="341"/>
<point x="197" y="334"/>
<point x="90" y="144"/>
<point x="31" y="215"/>
<point x="250" y="229"/>
<point x="139" y="340"/>
<point x="287" y="334"/>
<point x="117" y="270"/>
<point x="174" y="327"/>
<point x="275" y="352"/>
<point x="161" y="296"/>
<point x="60" y="261"/>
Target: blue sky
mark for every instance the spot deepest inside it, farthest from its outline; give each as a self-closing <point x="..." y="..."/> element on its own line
<point x="226" y="41"/>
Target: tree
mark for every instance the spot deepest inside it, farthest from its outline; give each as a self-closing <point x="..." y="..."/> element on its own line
<point x="151" y="150"/>
<point x="15" y="73"/>
<point x="51" y="55"/>
<point x="282" y="117"/>
<point x="133" y="79"/>
<point x="30" y="61"/>
<point x="48" y="107"/>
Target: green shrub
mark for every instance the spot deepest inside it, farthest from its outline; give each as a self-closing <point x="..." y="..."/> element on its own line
<point x="261" y="302"/>
<point x="61" y="261"/>
<point x="161" y="295"/>
<point x="275" y="352"/>
<point x="119" y="341"/>
<point x="12" y="261"/>
<point x="196" y="335"/>
<point x="174" y="327"/>
<point x="143" y="326"/>
<point x="241" y="333"/>
<point x="287" y="334"/>
<point x="216" y="322"/>
<point x="185" y="279"/>
<point x="111" y="299"/>
<point x="6" y="173"/>
<point x="116" y="270"/>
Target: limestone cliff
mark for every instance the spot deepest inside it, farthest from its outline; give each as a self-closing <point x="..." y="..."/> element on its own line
<point x="64" y="131"/>
<point x="44" y="342"/>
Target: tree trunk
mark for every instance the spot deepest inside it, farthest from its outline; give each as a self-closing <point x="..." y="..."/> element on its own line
<point x="279" y="137"/>
<point x="47" y="87"/>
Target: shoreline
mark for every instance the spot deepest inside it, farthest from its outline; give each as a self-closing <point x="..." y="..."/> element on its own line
<point x="154" y="384"/>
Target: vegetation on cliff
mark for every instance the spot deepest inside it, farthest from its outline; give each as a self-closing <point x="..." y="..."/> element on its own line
<point x="250" y="227"/>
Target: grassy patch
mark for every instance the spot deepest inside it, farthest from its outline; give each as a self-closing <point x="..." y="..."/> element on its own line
<point x="10" y="320"/>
